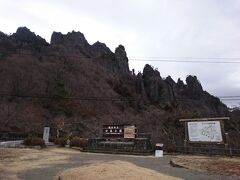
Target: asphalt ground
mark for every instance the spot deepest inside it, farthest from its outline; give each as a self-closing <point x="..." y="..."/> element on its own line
<point x="161" y="165"/>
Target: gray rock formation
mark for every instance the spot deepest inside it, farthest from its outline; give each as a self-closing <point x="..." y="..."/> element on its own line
<point x="194" y="88"/>
<point x="5" y="43"/>
<point x="71" y="41"/>
<point x="121" y="59"/>
<point x="140" y="89"/>
<point x="152" y="84"/>
<point x="152" y="102"/>
<point x="2" y="36"/>
<point x="24" y="36"/>
<point x="101" y="50"/>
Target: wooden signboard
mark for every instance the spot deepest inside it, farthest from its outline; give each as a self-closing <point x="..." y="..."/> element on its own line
<point x="129" y="132"/>
<point x="119" y="131"/>
<point x="113" y="131"/>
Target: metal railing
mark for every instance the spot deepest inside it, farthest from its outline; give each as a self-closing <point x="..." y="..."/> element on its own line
<point x="12" y="137"/>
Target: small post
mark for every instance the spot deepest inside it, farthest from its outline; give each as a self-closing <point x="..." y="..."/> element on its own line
<point x="46" y="132"/>
<point x="159" y="150"/>
<point x="185" y="140"/>
<point x="227" y="145"/>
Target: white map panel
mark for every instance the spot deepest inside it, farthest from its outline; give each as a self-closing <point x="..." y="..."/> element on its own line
<point x="204" y="131"/>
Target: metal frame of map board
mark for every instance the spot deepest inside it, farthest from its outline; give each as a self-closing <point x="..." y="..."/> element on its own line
<point x="220" y="119"/>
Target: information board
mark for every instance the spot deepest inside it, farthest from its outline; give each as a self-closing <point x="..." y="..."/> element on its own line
<point x="129" y="132"/>
<point x="204" y="131"/>
<point x="119" y="131"/>
<point x="113" y="131"/>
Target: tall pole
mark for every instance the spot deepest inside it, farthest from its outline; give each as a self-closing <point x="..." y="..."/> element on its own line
<point x="185" y="140"/>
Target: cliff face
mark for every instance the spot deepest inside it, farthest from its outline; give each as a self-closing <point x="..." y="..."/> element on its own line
<point x="32" y="72"/>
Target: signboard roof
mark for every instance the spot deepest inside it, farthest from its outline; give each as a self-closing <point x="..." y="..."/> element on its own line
<point x="205" y="119"/>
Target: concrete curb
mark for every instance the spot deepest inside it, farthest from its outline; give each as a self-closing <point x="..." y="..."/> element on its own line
<point x="7" y="144"/>
<point x="174" y="164"/>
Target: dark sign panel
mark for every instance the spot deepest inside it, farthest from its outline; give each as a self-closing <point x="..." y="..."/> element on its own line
<point x="119" y="131"/>
<point x="113" y="131"/>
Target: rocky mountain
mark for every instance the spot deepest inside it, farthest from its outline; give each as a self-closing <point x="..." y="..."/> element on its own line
<point x="79" y="87"/>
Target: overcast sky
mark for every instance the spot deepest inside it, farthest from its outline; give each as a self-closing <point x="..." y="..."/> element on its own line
<point x="147" y="28"/>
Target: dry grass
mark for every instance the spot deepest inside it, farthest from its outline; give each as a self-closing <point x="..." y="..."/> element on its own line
<point x="8" y="154"/>
<point x="117" y="170"/>
<point x="214" y="165"/>
<point x="13" y="161"/>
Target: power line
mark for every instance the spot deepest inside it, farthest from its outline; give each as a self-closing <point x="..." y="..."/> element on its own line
<point x="50" y="55"/>
<point x="97" y="98"/>
<point x="185" y="61"/>
<point x="231" y="99"/>
<point x="144" y="59"/>
<point x="159" y="57"/>
<point x="86" y="98"/>
<point x="229" y="96"/>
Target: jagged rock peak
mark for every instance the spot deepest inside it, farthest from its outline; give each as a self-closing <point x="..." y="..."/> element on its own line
<point x="192" y="82"/>
<point x="121" y="54"/>
<point x="24" y="35"/>
<point x="122" y="59"/>
<point x="23" y="30"/>
<point x="139" y="74"/>
<point x="100" y="45"/>
<point x="180" y="83"/>
<point x="149" y="71"/>
<point x="101" y="49"/>
<point x="194" y="87"/>
<point x="121" y="50"/>
<point x="71" y="38"/>
<point x="170" y="80"/>
<point x="3" y="36"/>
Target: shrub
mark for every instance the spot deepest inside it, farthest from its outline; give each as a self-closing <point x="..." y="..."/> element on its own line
<point x="34" y="141"/>
<point x="78" y="142"/>
<point x="52" y="139"/>
<point x="170" y="148"/>
<point x="61" y="141"/>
